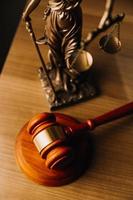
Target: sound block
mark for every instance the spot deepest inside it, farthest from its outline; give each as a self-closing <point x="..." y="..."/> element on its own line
<point x="34" y="167"/>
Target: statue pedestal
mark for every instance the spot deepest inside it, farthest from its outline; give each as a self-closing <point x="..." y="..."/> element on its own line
<point x="84" y="90"/>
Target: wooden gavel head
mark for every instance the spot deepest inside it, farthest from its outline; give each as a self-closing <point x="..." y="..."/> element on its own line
<point x="51" y="141"/>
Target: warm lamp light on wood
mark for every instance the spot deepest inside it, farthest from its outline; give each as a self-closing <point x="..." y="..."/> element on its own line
<point x="54" y="149"/>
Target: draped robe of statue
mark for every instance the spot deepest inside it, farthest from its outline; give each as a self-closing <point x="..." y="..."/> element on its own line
<point x="63" y="28"/>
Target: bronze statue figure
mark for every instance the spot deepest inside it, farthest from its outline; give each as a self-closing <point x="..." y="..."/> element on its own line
<point x="62" y="33"/>
<point x="66" y="79"/>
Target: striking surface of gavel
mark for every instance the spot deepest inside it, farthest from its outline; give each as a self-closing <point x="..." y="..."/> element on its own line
<point x="52" y="139"/>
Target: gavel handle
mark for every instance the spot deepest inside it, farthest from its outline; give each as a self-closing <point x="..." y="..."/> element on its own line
<point x="113" y="115"/>
<point x="105" y="118"/>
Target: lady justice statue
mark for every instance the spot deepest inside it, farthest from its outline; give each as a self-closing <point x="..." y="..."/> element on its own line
<point x="66" y="78"/>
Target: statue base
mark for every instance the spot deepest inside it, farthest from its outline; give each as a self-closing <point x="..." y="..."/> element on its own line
<point x="60" y="98"/>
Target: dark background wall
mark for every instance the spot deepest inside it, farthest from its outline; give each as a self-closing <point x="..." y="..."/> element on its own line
<point x="10" y="12"/>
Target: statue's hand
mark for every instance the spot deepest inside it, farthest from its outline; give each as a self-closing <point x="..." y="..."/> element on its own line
<point x="28" y="26"/>
<point x="27" y="21"/>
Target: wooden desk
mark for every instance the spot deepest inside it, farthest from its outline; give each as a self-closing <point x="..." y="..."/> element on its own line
<point x="110" y="175"/>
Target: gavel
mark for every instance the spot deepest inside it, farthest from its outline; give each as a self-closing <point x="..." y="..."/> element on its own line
<point x="52" y="139"/>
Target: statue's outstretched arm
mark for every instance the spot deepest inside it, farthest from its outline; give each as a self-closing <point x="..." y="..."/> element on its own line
<point x="107" y="13"/>
<point x="105" y="23"/>
<point x="30" y="7"/>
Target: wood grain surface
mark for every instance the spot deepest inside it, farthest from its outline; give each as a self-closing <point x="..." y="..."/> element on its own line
<point x="110" y="176"/>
